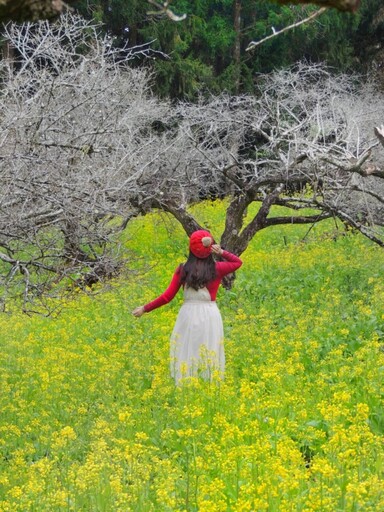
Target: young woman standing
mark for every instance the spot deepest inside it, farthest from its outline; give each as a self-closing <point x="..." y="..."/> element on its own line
<point x="197" y="340"/>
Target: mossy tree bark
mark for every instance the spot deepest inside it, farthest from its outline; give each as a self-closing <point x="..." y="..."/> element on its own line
<point x="30" y="10"/>
<point x="340" y="5"/>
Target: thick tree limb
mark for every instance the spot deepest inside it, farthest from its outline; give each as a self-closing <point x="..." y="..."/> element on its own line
<point x="259" y="221"/>
<point x="188" y="222"/>
<point x="340" y="5"/>
<point x="297" y="219"/>
<point x="18" y="263"/>
<point x="364" y="230"/>
<point x="359" y="166"/>
<point x="370" y="193"/>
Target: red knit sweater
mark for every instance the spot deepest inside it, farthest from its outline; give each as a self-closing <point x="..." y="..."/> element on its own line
<point x="223" y="268"/>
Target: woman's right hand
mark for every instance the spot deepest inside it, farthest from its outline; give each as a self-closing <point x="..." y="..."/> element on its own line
<point x="138" y="311"/>
<point x="216" y="249"/>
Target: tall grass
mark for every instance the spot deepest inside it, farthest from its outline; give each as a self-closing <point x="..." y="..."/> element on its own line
<point x="91" y="420"/>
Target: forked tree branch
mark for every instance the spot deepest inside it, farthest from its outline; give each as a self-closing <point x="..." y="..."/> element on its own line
<point x="359" y="166"/>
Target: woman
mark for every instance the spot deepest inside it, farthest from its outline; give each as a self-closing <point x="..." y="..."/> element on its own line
<point x="197" y="339"/>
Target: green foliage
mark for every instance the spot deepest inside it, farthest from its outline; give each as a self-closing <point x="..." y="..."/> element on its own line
<point x="122" y="18"/>
<point x="208" y="36"/>
<point x="92" y="421"/>
<point x="182" y="78"/>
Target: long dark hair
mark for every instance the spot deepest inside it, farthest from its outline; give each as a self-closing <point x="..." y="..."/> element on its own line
<point x="197" y="272"/>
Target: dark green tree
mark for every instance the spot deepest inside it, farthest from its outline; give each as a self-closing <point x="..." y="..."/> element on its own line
<point x="207" y="49"/>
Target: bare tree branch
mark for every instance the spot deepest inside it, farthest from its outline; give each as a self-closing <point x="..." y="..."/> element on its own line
<point x="75" y="120"/>
<point x="253" y="44"/>
<point x="303" y="136"/>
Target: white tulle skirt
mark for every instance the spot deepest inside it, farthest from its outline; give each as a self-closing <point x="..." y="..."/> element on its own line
<point x="197" y="340"/>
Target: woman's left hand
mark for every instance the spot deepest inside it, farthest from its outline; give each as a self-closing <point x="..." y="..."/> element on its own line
<point x="138" y="311"/>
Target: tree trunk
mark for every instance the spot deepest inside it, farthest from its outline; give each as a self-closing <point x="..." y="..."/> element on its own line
<point x="234" y="223"/>
<point x="186" y="220"/>
<point x="72" y="244"/>
<point x="8" y="52"/>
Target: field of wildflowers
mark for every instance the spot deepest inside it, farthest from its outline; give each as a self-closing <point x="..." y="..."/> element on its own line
<point x="91" y="421"/>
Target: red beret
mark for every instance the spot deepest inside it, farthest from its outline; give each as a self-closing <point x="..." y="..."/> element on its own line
<point x="200" y="243"/>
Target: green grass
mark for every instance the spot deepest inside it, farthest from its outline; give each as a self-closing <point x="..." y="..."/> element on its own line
<point x="91" y="421"/>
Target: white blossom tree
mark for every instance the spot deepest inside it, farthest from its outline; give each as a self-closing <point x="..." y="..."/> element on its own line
<point x="85" y="147"/>
<point x="305" y="140"/>
<point x="74" y="121"/>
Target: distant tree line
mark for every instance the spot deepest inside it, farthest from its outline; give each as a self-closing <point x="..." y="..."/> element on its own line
<point x="207" y="48"/>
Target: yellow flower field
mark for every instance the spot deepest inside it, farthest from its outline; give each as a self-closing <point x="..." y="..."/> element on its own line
<point x="91" y="420"/>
